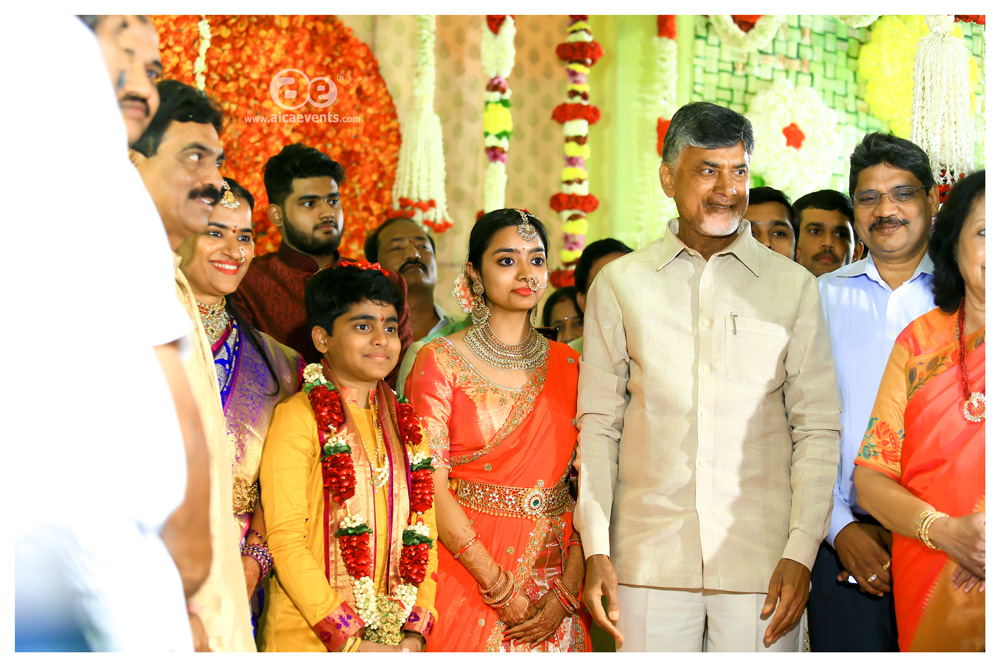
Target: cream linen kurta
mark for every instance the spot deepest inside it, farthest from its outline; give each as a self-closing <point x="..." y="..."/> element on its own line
<point x="222" y="599"/>
<point x="708" y="415"/>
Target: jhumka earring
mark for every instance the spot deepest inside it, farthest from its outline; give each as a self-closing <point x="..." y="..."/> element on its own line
<point x="534" y="313"/>
<point x="526" y="230"/>
<point x="480" y="312"/>
<point x="229" y="200"/>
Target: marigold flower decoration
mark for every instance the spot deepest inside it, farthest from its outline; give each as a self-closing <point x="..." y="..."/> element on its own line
<point x="577" y="114"/>
<point x="245" y="53"/>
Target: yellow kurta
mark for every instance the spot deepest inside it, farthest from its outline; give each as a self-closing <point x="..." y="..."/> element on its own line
<point x="292" y="496"/>
<point x="222" y="599"/>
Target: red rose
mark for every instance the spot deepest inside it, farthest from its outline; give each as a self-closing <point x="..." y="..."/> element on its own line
<point x="565" y="202"/>
<point x="587" y="53"/>
<point x="666" y="26"/>
<point x="567" y="111"/>
<point x="421" y="490"/>
<point x="413" y="563"/>
<point x="495" y="21"/>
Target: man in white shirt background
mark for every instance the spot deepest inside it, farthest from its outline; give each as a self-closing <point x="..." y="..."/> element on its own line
<point x="866" y="305"/>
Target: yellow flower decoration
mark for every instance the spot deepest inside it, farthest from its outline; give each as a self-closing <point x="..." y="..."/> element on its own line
<point x="578" y="226"/>
<point x="571" y="173"/>
<point x="496" y="119"/>
<point x="885" y="63"/>
<point x="573" y="149"/>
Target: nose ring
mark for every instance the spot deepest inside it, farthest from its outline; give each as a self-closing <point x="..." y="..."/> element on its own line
<point x="533" y="283"/>
<point x="243" y="256"/>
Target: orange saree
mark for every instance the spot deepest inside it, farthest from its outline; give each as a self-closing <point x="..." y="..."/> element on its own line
<point x="919" y="437"/>
<point x="509" y="452"/>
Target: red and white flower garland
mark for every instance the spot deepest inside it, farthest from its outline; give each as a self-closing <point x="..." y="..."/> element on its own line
<point x="577" y="114"/>
<point x="497" y="57"/>
<point x="419" y="190"/>
<point x="354" y="534"/>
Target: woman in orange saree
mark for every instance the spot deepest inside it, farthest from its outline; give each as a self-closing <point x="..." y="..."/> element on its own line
<point x="510" y="572"/>
<point x="921" y="466"/>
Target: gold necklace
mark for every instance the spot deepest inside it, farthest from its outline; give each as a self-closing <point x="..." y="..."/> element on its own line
<point x="380" y="474"/>
<point x="214" y="319"/>
<point x="529" y="354"/>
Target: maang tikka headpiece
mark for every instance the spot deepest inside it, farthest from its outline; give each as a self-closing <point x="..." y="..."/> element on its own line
<point x="526" y="230"/>
<point x="229" y="200"/>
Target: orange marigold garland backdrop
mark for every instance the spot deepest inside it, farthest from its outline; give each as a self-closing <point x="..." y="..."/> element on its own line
<point x="246" y="53"/>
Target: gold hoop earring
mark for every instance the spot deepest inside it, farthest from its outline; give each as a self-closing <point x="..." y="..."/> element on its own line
<point x="480" y="311"/>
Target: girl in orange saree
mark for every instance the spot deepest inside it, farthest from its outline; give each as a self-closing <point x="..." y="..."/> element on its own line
<point x="921" y="466"/>
<point x="510" y="572"/>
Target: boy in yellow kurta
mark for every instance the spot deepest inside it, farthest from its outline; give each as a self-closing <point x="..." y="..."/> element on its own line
<point x="354" y="563"/>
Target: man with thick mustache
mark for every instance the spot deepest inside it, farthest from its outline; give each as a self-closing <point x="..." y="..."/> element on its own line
<point x="708" y="418"/>
<point x="403" y="246"/>
<point x="867" y="304"/>
<point x="304" y="202"/>
<point x="178" y="157"/>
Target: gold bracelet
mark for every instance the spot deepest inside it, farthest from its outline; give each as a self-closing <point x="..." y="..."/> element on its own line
<point x="925" y="528"/>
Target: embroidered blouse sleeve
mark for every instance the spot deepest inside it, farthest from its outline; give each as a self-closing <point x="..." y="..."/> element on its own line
<point x="431" y="390"/>
<point x="883" y="442"/>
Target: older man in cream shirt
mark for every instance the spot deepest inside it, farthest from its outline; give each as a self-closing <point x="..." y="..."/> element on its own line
<point x="709" y="418"/>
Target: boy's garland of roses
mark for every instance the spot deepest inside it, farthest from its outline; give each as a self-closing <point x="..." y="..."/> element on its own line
<point x="340" y="481"/>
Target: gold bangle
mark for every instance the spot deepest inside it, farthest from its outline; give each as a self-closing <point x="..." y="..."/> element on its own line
<point x="925" y="528"/>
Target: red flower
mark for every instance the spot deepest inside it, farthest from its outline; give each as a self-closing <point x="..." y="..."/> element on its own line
<point x="327" y="407"/>
<point x="363" y="264"/>
<point x="979" y="19"/>
<point x="666" y="26"/>
<point x="354" y="551"/>
<point x="794" y="136"/>
<point x="746" y="22"/>
<point x="661" y="133"/>
<point x="566" y="111"/>
<point x="409" y="425"/>
<point x="338" y="476"/>
<point x="565" y="202"/>
<point x="421" y="490"/>
<point x="561" y="278"/>
<point x="413" y="563"/>
<point x="587" y="53"/>
<point x="495" y="21"/>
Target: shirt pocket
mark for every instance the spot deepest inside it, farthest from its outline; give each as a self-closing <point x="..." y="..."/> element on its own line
<point x="755" y="352"/>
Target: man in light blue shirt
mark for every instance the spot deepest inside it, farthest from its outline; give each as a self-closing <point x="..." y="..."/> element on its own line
<point x="866" y="305"/>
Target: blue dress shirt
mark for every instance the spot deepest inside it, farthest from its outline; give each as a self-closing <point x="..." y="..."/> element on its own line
<point x="864" y="317"/>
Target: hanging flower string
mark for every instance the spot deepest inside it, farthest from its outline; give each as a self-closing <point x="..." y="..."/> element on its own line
<point x="204" y="42"/>
<point x="577" y="114"/>
<point x="665" y="75"/>
<point x="419" y="189"/>
<point x="498" y="61"/>
<point x="942" y="122"/>
<point x="354" y="534"/>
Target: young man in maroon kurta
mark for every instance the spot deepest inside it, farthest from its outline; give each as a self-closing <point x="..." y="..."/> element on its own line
<point x="303" y="191"/>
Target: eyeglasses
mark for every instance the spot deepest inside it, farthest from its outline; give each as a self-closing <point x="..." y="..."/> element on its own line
<point x="904" y="194"/>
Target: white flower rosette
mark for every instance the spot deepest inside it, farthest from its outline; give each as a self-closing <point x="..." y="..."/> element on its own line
<point x="795" y="171"/>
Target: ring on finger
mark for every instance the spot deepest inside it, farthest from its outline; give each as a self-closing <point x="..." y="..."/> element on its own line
<point x="873" y="577"/>
<point x="887" y="564"/>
